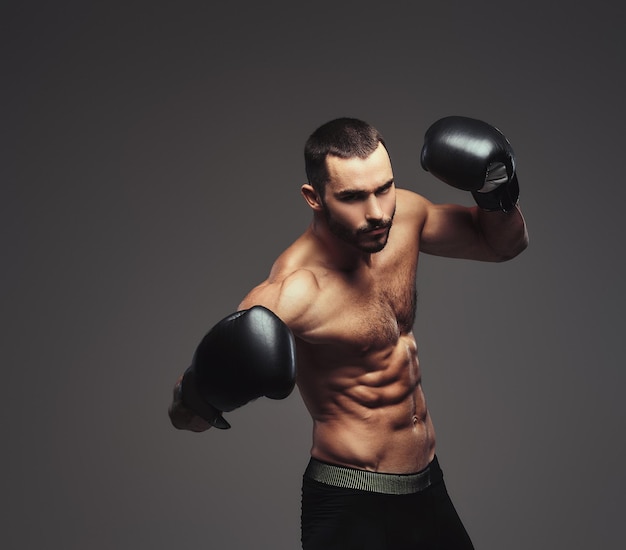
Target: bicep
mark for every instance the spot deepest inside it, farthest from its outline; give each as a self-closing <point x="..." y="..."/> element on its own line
<point x="453" y="231"/>
<point x="291" y="299"/>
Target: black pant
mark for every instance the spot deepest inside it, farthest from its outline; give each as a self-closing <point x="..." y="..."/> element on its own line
<point x="344" y="518"/>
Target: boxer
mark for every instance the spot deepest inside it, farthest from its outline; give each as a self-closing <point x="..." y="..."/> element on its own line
<point x="344" y="294"/>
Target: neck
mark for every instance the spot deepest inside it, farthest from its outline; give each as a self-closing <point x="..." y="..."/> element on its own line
<point x="340" y="254"/>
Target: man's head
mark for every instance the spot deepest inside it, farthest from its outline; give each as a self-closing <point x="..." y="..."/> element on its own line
<point x="351" y="185"/>
<point x="343" y="138"/>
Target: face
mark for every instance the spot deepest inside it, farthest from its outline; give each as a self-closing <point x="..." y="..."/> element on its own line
<point x="360" y="200"/>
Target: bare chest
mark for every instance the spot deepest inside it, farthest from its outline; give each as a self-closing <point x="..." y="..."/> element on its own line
<point x="371" y="312"/>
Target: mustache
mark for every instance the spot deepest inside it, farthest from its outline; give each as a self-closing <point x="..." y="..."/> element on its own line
<point x="384" y="224"/>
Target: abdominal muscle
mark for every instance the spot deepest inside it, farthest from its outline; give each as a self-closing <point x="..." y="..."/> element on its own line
<point x="369" y="412"/>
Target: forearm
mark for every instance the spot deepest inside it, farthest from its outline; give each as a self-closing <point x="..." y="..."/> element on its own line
<point x="182" y="417"/>
<point x="504" y="233"/>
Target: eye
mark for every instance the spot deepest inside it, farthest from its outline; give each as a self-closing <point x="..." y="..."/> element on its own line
<point x="350" y="197"/>
<point x="385" y="189"/>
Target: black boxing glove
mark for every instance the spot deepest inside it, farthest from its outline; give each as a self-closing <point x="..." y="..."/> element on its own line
<point x="472" y="155"/>
<point x="249" y="354"/>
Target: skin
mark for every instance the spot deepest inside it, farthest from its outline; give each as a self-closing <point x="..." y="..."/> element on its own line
<point x="348" y="295"/>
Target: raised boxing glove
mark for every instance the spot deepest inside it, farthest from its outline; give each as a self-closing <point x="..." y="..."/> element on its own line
<point x="472" y="155"/>
<point x="247" y="355"/>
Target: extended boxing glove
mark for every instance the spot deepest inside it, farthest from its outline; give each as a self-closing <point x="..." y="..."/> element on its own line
<point x="472" y="155"/>
<point x="249" y="354"/>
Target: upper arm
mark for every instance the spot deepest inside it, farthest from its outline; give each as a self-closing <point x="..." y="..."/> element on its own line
<point x="442" y="229"/>
<point x="291" y="298"/>
<point x="462" y="232"/>
<point x="453" y="231"/>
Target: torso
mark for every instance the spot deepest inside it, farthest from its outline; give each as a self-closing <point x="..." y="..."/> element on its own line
<point x="358" y="370"/>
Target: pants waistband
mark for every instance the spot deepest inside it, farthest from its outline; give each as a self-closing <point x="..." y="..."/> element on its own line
<point x="391" y="484"/>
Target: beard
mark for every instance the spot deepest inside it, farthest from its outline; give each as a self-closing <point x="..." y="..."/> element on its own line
<point x="360" y="238"/>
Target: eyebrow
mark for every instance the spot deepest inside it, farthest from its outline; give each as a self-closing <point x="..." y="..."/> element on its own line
<point x="360" y="192"/>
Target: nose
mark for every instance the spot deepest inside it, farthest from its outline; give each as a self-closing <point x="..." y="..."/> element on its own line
<point x="374" y="212"/>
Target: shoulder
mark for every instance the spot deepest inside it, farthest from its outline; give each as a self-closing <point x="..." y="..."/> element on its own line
<point x="411" y="208"/>
<point x="411" y="201"/>
<point x="290" y="295"/>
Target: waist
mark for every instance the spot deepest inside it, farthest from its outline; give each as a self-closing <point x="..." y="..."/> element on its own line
<point x="383" y="442"/>
<point x="376" y="482"/>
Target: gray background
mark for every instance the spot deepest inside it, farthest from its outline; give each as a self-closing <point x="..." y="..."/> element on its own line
<point x="150" y="173"/>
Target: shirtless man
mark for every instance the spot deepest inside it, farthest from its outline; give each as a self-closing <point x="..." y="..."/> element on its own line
<point x="346" y="291"/>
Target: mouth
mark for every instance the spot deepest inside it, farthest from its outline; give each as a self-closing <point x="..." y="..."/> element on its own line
<point x="377" y="231"/>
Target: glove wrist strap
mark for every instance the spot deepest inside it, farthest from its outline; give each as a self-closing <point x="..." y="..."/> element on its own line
<point x="503" y="198"/>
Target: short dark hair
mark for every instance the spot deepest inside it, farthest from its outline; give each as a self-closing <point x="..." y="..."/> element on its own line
<point x="342" y="137"/>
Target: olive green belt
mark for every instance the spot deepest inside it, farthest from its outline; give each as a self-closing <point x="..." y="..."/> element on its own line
<point x="376" y="482"/>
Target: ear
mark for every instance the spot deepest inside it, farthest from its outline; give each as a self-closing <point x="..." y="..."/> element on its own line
<point x="311" y="197"/>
